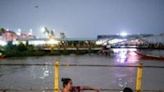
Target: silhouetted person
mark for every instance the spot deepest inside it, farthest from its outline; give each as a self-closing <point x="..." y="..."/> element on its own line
<point x="127" y="89"/>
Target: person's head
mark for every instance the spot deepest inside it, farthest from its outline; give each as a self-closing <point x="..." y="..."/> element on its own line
<point x="67" y="83"/>
<point x="127" y="89"/>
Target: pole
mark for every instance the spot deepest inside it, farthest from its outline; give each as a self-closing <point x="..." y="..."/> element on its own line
<point x="56" y="77"/>
<point x="139" y="78"/>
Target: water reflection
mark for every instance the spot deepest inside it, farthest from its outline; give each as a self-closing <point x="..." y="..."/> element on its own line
<point x="41" y="72"/>
<point x="125" y="76"/>
<point x="46" y="72"/>
<point x="125" y="55"/>
<point x="122" y="83"/>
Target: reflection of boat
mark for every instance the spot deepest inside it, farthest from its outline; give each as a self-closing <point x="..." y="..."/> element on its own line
<point x="144" y="56"/>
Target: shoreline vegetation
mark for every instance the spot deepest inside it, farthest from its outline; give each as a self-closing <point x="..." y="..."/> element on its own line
<point x="77" y="48"/>
<point x="23" y="50"/>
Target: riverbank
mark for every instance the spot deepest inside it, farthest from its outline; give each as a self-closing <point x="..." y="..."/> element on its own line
<point x="23" y="50"/>
<point x="15" y="53"/>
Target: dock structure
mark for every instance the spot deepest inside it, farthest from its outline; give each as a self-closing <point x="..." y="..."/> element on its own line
<point x="140" y="41"/>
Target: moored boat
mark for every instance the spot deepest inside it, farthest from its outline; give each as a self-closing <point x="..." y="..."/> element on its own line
<point x="146" y="56"/>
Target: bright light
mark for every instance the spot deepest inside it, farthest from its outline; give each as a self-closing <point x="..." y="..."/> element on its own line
<point x="3" y="43"/>
<point x="42" y="29"/>
<point x="7" y="29"/>
<point x="116" y="41"/>
<point x="18" y="32"/>
<point x="18" y="42"/>
<point x="123" y="34"/>
<point x="52" y="41"/>
<point x="37" y="42"/>
<point x="101" y="42"/>
<point x="30" y="33"/>
<point x="125" y="55"/>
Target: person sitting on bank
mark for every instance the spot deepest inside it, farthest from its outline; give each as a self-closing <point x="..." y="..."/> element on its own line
<point x="68" y="86"/>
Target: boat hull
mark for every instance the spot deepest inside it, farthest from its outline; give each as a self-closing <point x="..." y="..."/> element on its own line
<point x="144" y="56"/>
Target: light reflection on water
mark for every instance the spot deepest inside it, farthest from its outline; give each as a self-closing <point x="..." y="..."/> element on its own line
<point x="45" y="71"/>
<point x="126" y="55"/>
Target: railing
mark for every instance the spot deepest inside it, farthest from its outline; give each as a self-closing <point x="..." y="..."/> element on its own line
<point x="57" y="66"/>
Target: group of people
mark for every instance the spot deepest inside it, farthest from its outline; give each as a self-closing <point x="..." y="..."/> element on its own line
<point x="68" y="87"/>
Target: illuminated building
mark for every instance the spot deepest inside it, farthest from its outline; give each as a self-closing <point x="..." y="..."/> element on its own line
<point x="9" y="36"/>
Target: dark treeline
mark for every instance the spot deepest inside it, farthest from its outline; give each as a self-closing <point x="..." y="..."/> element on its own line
<point x="11" y="50"/>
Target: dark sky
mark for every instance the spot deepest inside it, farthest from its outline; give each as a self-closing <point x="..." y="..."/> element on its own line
<point x="84" y="18"/>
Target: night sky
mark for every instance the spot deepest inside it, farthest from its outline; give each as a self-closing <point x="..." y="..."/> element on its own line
<point x="84" y="18"/>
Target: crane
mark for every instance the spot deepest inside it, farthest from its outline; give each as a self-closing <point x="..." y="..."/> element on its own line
<point x="49" y="33"/>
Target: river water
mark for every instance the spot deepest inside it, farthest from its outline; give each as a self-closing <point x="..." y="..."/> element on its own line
<point x="42" y="77"/>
